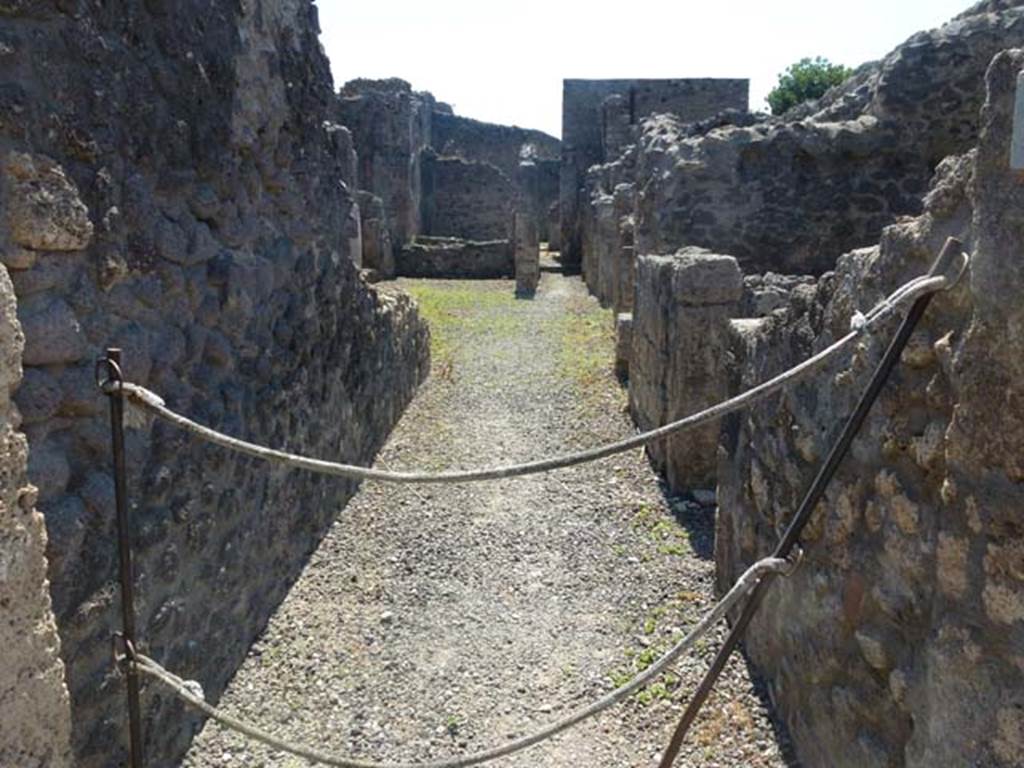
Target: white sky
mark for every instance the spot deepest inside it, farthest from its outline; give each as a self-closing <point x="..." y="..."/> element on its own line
<point x="504" y="62"/>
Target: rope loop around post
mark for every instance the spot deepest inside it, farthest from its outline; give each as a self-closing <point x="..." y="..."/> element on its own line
<point x="109" y="385"/>
<point x="123" y="651"/>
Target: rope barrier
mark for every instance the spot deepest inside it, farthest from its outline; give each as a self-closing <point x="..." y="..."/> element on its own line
<point x="912" y="290"/>
<point x="189" y="691"/>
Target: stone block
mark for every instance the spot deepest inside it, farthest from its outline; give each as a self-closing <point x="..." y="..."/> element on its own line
<point x="53" y="333"/>
<point x="440" y="257"/>
<point x="677" y="365"/>
<point x="44" y="211"/>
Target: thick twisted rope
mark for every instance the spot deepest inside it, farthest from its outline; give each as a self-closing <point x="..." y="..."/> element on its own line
<point x="149" y="401"/>
<point x="190" y="693"/>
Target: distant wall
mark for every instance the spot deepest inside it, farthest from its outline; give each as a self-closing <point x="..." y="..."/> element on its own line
<point x="398" y="135"/>
<point x="390" y="126"/>
<point x="501" y="145"/>
<point x="530" y="159"/>
<point x="583" y="119"/>
<point x="453" y="258"/>
<point x="793" y="193"/>
<point x="467" y="199"/>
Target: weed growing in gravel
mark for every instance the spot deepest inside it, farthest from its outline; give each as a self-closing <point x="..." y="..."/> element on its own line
<point x="657" y="640"/>
<point x="451" y="725"/>
<point x="665" y="533"/>
<point x="587" y="348"/>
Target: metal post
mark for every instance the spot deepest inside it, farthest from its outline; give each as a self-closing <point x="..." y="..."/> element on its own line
<point x="790" y="539"/>
<point x="124" y="548"/>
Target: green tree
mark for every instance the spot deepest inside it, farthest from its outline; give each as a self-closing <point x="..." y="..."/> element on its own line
<point x="805" y="80"/>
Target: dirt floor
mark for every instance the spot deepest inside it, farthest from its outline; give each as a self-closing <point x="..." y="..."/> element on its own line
<point x="439" y="620"/>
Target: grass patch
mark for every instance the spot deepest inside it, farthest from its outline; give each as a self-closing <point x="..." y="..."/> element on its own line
<point x="458" y="311"/>
<point x="664" y="532"/>
<point x="656" y="627"/>
<point x="587" y="344"/>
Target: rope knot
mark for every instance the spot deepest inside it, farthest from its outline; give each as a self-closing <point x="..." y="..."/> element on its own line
<point x="858" y="322"/>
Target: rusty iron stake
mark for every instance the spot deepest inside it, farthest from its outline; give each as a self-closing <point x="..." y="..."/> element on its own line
<point x="112" y="362"/>
<point x="791" y="538"/>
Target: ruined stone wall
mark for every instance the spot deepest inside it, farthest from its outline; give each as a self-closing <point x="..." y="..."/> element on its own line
<point x="462" y="198"/>
<point x="793" y="194"/>
<point x="377" y="250"/>
<point x="782" y="196"/>
<point x="391" y="125"/>
<point x="536" y="184"/>
<point x="678" y="355"/>
<point x="607" y="231"/>
<point x="172" y="183"/>
<point x="899" y="640"/>
<point x="583" y="128"/>
<point x="35" y="730"/>
<point x="398" y="136"/>
<point x="502" y="146"/>
<point x="529" y="158"/>
<point x="447" y="257"/>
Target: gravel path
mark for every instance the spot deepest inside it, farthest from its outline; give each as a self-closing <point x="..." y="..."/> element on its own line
<point x="436" y="620"/>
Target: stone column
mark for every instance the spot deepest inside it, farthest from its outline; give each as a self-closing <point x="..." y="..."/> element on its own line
<point x="378" y="253"/>
<point x="527" y="254"/>
<point x="605" y="245"/>
<point x="624" y="256"/>
<point x="679" y="344"/>
<point x="623" y="343"/>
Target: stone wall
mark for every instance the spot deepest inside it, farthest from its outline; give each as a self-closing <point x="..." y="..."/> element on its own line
<point x="554" y="227"/>
<point x="450" y="257"/>
<point x="607" y="237"/>
<point x="466" y="199"/>
<point x="35" y="730"/>
<point x="677" y="363"/>
<point x="526" y="249"/>
<point x="529" y="159"/>
<point x="537" y="190"/>
<point x="899" y="641"/>
<point x="793" y="194"/>
<point x="583" y="135"/>
<point x="782" y="196"/>
<point x="173" y="183"/>
<point x="502" y="146"/>
<point x="441" y="174"/>
<point x="390" y="124"/>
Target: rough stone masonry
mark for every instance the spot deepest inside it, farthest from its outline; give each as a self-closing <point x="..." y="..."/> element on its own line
<point x="173" y="181"/>
<point x="35" y="730"/>
<point x="900" y="640"/>
<point x="181" y="179"/>
<point x="429" y="172"/>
